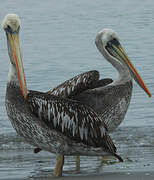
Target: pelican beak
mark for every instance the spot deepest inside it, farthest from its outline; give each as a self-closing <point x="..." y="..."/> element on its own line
<point x="116" y="50"/>
<point x="16" y="58"/>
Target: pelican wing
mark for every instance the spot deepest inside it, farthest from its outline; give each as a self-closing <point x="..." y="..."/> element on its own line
<point x="77" y="121"/>
<point x="103" y="82"/>
<point x="76" y="85"/>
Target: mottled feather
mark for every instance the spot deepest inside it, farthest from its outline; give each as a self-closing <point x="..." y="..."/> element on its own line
<point x="71" y="118"/>
<point x="76" y="85"/>
<point x="80" y="83"/>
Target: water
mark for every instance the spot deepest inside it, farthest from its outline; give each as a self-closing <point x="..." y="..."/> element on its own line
<point x="57" y="40"/>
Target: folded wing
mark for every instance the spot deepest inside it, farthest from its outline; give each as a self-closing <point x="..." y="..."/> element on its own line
<point x="76" y="85"/>
<point x="71" y="118"/>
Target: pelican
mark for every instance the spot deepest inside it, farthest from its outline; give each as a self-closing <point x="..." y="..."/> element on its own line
<point x="110" y="99"/>
<point x="58" y="125"/>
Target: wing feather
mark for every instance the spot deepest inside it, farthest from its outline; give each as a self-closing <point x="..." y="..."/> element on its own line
<point x="76" y="84"/>
<point x="71" y="118"/>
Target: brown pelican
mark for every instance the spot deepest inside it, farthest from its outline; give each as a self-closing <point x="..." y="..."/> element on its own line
<point x="55" y="124"/>
<point x="110" y="99"/>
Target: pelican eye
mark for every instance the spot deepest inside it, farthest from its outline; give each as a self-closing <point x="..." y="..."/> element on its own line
<point x="114" y="41"/>
<point x="109" y="46"/>
<point x="8" y="28"/>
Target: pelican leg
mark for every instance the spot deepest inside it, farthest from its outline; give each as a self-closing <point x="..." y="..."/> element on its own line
<point x="59" y="166"/>
<point x="77" y="162"/>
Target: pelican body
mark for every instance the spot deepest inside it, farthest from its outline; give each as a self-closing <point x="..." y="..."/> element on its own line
<point x="110" y="99"/>
<point x="55" y="124"/>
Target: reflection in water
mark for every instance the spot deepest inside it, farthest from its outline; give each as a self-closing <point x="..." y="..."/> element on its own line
<point x="136" y="148"/>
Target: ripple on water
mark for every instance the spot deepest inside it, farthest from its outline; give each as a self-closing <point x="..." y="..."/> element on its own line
<point x="136" y="149"/>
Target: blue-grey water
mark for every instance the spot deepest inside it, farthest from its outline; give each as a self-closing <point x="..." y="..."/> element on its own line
<point x="57" y="41"/>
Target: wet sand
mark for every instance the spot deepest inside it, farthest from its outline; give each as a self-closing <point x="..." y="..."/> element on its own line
<point x="114" y="176"/>
<point x="104" y="176"/>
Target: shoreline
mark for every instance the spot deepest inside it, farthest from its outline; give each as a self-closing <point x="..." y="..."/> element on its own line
<point x="114" y="175"/>
<point x="149" y="175"/>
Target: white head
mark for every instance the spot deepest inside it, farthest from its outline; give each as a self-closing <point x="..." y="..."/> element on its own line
<point x="107" y="42"/>
<point x="11" y="21"/>
<point x="107" y="35"/>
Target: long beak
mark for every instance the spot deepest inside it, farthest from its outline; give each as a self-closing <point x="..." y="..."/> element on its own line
<point x="121" y="55"/>
<point x="16" y="58"/>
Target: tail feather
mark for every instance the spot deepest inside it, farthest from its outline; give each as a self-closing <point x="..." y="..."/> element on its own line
<point x="109" y="144"/>
<point x="118" y="157"/>
<point x="111" y="147"/>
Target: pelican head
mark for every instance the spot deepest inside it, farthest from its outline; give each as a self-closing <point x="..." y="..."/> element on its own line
<point x="108" y="43"/>
<point x="11" y="22"/>
<point x="107" y="35"/>
<point x="11" y="25"/>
